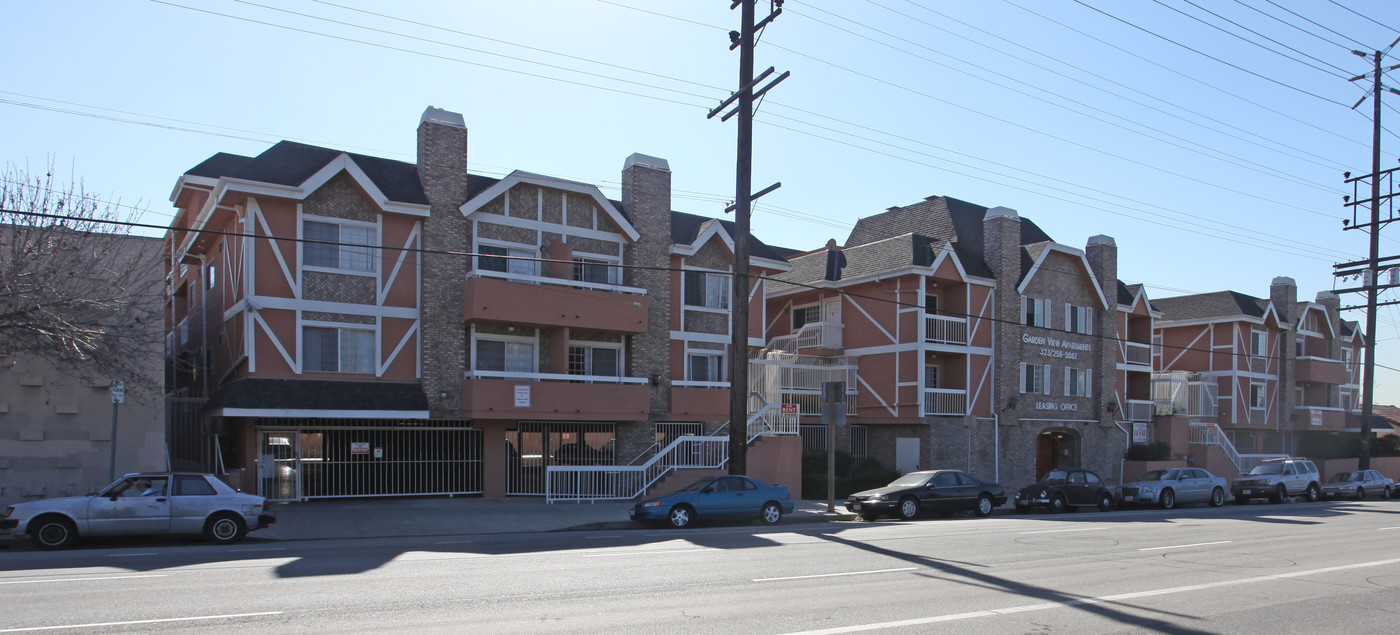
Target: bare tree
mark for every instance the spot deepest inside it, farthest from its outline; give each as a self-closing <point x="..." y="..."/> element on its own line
<point x="77" y="289"/>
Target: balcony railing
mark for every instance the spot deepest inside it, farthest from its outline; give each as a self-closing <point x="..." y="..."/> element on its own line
<point x="941" y="329"/>
<point x="1141" y="410"/>
<point x="587" y="379"/>
<point x="811" y="335"/>
<point x="944" y="402"/>
<point x="1181" y="393"/>
<point x="563" y="282"/>
<point x="1210" y="434"/>
<point x="184" y="331"/>
<point x="1140" y="354"/>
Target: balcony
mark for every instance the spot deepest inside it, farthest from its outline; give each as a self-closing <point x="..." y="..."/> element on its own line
<point x="1140" y="410"/>
<point x="1321" y="370"/>
<point x="1319" y="418"/>
<point x="511" y="395"/>
<point x="940" y="329"/>
<point x="942" y="402"/>
<point x="819" y="335"/>
<point x="1138" y="354"/>
<point x="554" y="302"/>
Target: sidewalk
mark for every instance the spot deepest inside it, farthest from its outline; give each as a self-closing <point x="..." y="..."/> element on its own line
<point x="437" y="516"/>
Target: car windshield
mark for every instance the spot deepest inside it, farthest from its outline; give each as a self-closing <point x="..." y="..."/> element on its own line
<point x="1266" y="469"/>
<point x="1158" y="475"/>
<point x="697" y="485"/>
<point x="1346" y="477"/>
<point x="914" y="479"/>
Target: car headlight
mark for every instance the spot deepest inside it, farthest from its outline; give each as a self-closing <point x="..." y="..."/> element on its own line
<point x="879" y="497"/>
<point x="651" y="504"/>
<point x="9" y="510"/>
<point x="1041" y="494"/>
<point x="1148" y="489"/>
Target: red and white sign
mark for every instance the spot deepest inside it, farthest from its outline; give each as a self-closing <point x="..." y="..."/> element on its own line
<point x="359" y="448"/>
<point x="789" y="408"/>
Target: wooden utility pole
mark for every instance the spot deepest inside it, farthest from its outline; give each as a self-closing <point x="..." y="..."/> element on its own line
<point x="743" y="39"/>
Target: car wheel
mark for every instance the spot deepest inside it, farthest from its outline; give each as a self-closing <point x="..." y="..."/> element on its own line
<point x="1168" y="499"/>
<point x="1385" y="495"/>
<point x="1313" y="493"/>
<point x="680" y="516"/>
<point x="1217" y="497"/>
<point x="771" y="514"/>
<point x="984" y="506"/>
<point x="224" y="529"/>
<point x="1106" y="502"/>
<point x="53" y="532"/>
<point x="1280" y="494"/>
<point x="908" y="509"/>
<point x="1058" y="504"/>
<point x="1360" y="493"/>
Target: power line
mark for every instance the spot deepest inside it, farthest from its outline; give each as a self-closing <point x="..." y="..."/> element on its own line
<point x="1290" y="24"/>
<point x="1367" y="17"/>
<point x="1341" y="74"/>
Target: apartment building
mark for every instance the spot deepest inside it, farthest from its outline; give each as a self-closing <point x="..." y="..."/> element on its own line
<point x="346" y="325"/>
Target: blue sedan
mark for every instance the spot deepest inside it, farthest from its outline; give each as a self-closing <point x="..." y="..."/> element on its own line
<point x="716" y="497"/>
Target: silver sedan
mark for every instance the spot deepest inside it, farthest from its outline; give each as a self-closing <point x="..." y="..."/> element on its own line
<point x="1357" y="484"/>
<point x="1175" y="486"/>
<point x="142" y="504"/>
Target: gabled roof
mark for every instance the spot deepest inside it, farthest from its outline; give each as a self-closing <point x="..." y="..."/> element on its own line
<point x="476" y="200"/>
<point x="1218" y="304"/>
<point x="686" y="229"/>
<point x="867" y="260"/>
<point x="1038" y="253"/>
<point x="290" y="163"/>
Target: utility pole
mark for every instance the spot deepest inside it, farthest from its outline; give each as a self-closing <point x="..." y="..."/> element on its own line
<point x="744" y="40"/>
<point x="1370" y="275"/>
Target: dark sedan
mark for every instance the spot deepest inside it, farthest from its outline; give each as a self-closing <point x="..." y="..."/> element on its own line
<point x="945" y="492"/>
<point x="1065" y="489"/>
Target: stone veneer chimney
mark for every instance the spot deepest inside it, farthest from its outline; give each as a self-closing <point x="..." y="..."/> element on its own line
<point x="1001" y="250"/>
<point x="646" y="199"/>
<point x="442" y="170"/>
<point x="1102" y="254"/>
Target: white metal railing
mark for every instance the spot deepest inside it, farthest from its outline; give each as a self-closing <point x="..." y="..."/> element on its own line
<point x="700" y="384"/>
<point x="589" y="379"/>
<point x="778" y="378"/>
<point x="811" y="335"/>
<point x="1210" y="434"/>
<point x="1181" y="393"/>
<point x="562" y="282"/>
<point x="1136" y="353"/>
<point x="944" y="401"/>
<point x="941" y="329"/>
<point x="170" y="343"/>
<point x="184" y="329"/>
<point x="1139" y="410"/>
<point x="623" y="482"/>
<point x="770" y="421"/>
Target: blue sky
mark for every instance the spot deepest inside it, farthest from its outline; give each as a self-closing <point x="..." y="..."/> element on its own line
<point x="1214" y="163"/>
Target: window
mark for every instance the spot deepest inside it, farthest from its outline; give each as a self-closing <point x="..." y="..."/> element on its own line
<point x="510" y="356"/>
<point x="1037" y="312"/>
<point x="187" y="485"/>
<point x="931" y="304"/>
<point x="1157" y="345"/>
<point x="804" y="315"/>
<point x="705" y="289"/>
<point x="945" y="479"/>
<point x="595" y="270"/>
<point x="348" y="247"/>
<point x="1076" y="478"/>
<point x="1078" y="382"/>
<point x="1256" y="396"/>
<point x="491" y="260"/>
<point x="337" y="350"/>
<point x="930" y="376"/>
<point x="1091" y="478"/>
<point x="703" y="367"/>
<point x="590" y="359"/>
<point x="211" y="275"/>
<point x="1258" y="343"/>
<point x="1078" y="319"/>
<point x="1300" y="346"/>
<point x="1035" y="379"/>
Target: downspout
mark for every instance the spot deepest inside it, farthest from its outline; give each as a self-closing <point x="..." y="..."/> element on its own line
<point x="1127" y="443"/>
<point x="996" y="447"/>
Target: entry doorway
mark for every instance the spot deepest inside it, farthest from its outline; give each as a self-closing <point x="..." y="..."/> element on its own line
<point x="906" y="454"/>
<point x="1055" y="449"/>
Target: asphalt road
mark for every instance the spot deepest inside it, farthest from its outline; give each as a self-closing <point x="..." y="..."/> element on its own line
<point x="1294" y="568"/>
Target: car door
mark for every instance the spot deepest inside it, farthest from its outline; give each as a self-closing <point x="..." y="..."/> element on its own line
<point x="941" y="493"/>
<point x="1077" y="489"/>
<point x="1193" y="487"/>
<point x="127" y="514"/>
<point x="191" y="501"/>
<point x="721" y="497"/>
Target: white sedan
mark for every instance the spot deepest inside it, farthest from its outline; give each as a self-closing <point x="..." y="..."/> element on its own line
<point x="142" y="504"/>
<point x="1357" y="484"/>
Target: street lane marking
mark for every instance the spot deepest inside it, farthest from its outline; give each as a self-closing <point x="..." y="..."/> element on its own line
<point x="452" y="542"/>
<point x="257" y="549"/>
<point x="1198" y="544"/>
<point x="128" y="555"/>
<point x="1095" y="600"/>
<point x="109" y="577"/>
<point x="167" y="620"/>
<point x="1056" y="531"/>
<point x="598" y="537"/>
<point x="1387" y="528"/>
<point x="643" y="553"/>
<point x="834" y="575"/>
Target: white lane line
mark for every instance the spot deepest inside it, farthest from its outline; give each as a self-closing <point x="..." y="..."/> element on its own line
<point x="109" y="577"/>
<point x="253" y="549"/>
<point x="1057" y="531"/>
<point x="599" y="537"/>
<point x="834" y="575"/>
<point x="1387" y="528"/>
<point x="134" y="622"/>
<point x="1198" y="544"/>
<point x="127" y="555"/>
<point x="452" y="542"/>
<point x="1096" y="600"/>
<point x="642" y="553"/>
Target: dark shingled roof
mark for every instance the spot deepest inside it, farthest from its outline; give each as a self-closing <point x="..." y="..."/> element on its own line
<point x="1126" y="293"/>
<point x="1210" y="305"/>
<point x="220" y="164"/>
<point x="309" y="394"/>
<point x="291" y="163"/>
<point x="685" y="228"/>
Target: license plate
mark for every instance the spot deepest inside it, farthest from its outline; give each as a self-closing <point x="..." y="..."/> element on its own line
<point x="855" y="506"/>
<point x="1247" y="492"/>
<point x="1127" y="499"/>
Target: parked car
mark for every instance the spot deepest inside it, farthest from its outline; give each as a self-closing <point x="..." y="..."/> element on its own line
<point x="1065" y="489"/>
<point x="148" y="503"/>
<point x="1358" y="484"/>
<point x="942" y="491"/>
<point x="1278" y="479"/>
<point x="1176" y="486"/>
<point x="716" y="497"/>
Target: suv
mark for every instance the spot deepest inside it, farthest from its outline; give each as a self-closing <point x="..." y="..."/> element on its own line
<point x="1278" y="479"/>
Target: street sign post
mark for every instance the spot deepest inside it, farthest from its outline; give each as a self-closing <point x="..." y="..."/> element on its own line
<point x="118" y="389"/>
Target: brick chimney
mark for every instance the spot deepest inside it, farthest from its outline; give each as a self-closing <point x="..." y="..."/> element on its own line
<point x="442" y="170"/>
<point x="1102" y="254"/>
<point x="1001" y="250"/>
<point x="646" y="199"/>
<point x="1283" y="294"/>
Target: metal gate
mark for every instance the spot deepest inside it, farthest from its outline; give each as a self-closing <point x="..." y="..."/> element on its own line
<point x="303" y="462"/>
<point x="189" y="444"/>
<point x="533" y="446"/>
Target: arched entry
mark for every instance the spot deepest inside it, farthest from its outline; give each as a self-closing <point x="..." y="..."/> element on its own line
<point x="1056" y="448"/>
